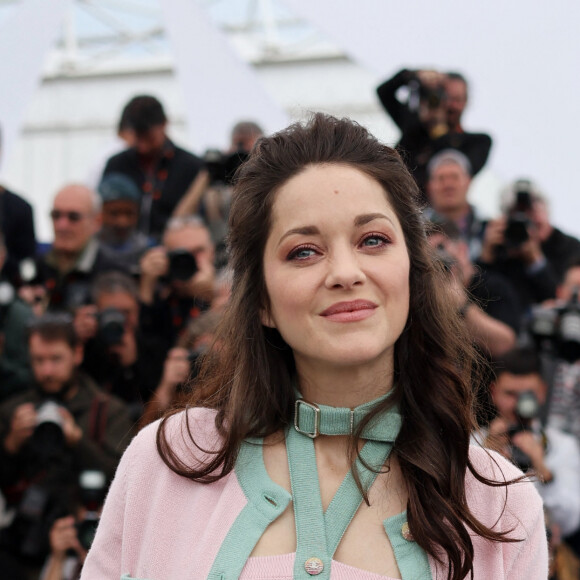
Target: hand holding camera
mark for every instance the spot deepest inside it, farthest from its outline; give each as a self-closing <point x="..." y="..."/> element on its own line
<point x="179" y="267"/>
<point x="154" y="265"/>
<point x="175" y="369"/>
<point x="85" y="322"/>
<point x="22" y="426"/>
<point x="63" y="537"/>
<point x="71" y="431"/>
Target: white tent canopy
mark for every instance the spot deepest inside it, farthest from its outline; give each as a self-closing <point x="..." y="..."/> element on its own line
<point x="521" y="59"/>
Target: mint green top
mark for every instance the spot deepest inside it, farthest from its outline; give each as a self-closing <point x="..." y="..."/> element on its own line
<point x="318" y="533"/>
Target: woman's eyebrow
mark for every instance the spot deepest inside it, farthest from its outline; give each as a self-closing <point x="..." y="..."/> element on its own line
<point x="363" y="219"/>
<point x="302" y="230"/>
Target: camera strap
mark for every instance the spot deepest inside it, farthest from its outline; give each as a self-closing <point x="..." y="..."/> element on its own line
<point x="98" y="418"/>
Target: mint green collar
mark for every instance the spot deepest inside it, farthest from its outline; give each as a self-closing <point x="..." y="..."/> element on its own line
<point x="312" y="420"/>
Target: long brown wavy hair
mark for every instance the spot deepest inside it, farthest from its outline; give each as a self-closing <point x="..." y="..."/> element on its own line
<point x="249" y="378"/>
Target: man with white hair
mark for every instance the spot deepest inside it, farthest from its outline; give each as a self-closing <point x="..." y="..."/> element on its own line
<point x="447" y="190"/>
<point x="75" y="257"/>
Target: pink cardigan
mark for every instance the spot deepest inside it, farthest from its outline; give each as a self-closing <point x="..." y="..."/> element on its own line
<point x="157" y="525"/>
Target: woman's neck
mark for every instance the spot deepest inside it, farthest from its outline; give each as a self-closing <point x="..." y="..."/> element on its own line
<point x="343" y="386"/>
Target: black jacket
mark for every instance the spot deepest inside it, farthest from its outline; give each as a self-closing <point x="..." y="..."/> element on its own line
<point x="17" y="225"/>
<point x="416" y="145"/>
<point x="172" y="177"/>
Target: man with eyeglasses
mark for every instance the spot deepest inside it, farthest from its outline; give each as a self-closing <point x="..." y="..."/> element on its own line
<point x="75" y="256"/>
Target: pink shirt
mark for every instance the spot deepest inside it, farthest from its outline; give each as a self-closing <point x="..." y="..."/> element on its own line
<point x="157" y="525"/>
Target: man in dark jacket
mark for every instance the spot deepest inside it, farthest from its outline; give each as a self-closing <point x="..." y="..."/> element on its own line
<point x="162" y="171"/>
<point x="525" y="247"/>
<point x="430" y="119"/>
<point x="17" y="223"/>
<point x="65" y="273"/>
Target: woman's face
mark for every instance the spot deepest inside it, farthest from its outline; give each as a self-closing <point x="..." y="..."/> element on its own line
<point x="336" y="269"/>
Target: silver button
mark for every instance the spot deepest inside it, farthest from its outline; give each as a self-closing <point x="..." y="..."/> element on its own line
<point x="314" y="566"/>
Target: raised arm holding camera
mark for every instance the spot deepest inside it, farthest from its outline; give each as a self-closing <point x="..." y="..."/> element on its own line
<point x="429" y="117"/>
<point x="177" y="279"/>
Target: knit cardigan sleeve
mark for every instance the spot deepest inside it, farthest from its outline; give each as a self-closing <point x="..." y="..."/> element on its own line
<point x="515" y="509"/>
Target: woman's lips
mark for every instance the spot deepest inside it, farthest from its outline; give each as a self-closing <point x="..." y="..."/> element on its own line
<point x="349" y="311"/>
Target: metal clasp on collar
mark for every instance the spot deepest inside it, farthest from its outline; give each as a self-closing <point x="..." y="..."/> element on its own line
<point x="316" y="410"/>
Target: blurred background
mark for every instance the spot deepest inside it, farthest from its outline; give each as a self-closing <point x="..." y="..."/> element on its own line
<point x="69" y="66"/>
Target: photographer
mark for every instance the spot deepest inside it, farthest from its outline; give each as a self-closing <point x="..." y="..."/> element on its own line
<point x="63" y="275"/>
<point x="162" y="171"/>
<point x="449" y="174"/>
<point x="14" y="317"/>
<point x="564" y="412"/>
<point x="177" y="279"/>
<point x="429" y="118"/>
<point x="59" y="427"/>
<point x="518" y="392"/>
<point x="524" y="246"/>
<point x="119" y="357"/>
<point x="119" y="238"/>
<point x="486" y="303"/>
<point x="210" y="194"/>
<point x="72" y="535"/>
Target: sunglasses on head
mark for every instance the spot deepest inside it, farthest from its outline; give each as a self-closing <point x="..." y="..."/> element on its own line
<point x="71" y="216"/>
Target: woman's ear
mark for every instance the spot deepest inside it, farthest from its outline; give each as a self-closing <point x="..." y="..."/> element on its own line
<point x="266" y="318"/>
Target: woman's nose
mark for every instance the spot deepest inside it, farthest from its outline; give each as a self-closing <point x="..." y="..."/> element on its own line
<point x="344" y="270"/>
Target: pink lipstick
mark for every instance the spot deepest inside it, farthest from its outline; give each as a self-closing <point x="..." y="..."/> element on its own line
<point x="351" y="311"/>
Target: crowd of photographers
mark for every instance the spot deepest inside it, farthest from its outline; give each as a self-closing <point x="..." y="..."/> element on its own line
<point x="516" y="278"/>
<point x="100" y="331"/>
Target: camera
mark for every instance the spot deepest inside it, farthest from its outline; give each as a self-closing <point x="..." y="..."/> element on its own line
<point x="557" y="330"/>
<point x="526" y="410"/>
<point x="432" y="97"/>
<point x="7" y="296"/>
<point x="222" y="167"/>
<point x="111" y="326"/>
<point x="182" y="265"/>
<point x="48" y="437"/>
<point x="518" y="220"/>
<point x="92" y="489"/>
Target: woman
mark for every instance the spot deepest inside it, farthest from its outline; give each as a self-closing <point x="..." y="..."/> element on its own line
<point x="329" y="434"/>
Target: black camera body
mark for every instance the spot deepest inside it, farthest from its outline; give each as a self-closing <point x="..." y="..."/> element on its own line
<point x="557" y="330"/>
<point x="182" y="265"/>
<point x="48" y="437"/>
<point x="432" y="97"/>
<point x="517" y="230"/>
<point x="527" y="409"/>
<point x="111" y="326"/>
<point x="92" y="491"/>
<point x="222" y="166"/>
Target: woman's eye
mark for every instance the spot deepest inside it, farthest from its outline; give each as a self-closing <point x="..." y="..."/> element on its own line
<point x="301" y="254"/>
<point x="375" y="240"/>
